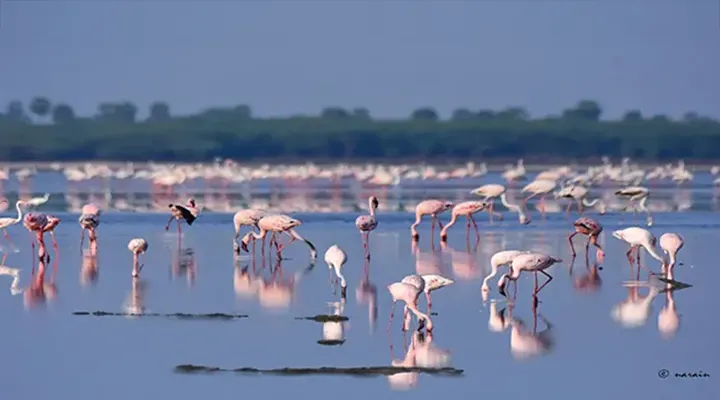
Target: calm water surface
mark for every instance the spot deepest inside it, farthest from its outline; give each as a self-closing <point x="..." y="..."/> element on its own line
<point x="49" y="352"/>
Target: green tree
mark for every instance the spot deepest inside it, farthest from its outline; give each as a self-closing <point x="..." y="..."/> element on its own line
<point x="63" y="114"/>
<point x="425" y="114"/>
<point x="159" y="111"/>
<point x="15" y="112"/>
<point x="361" y="113"/>
<point x="633" y="116"/>
<point x="243" y="111"/>
<point x="462" y="114"/>
<point x="334" y="112"/>
<point x="41" y="107"/>
<point x="122" y="112"/>
<point x="585" y="110"/>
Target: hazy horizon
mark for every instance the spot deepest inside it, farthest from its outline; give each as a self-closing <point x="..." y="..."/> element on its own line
<point x="292" y="57"/>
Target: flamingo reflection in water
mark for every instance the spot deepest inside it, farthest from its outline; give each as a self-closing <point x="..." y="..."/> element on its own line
<point x="333" y="332"/>
<point x="39" y="290"/>
<point x="588" y="282"/>
<point x="525" y="343"/>
<point x="464" y="263"/>
<point x="184" y="263"/>
<point x="426" y="262"/>
<point x="366" y="293"/>
<point x="668" y="317"/>
<point x="14" y="273"/>
<point x="245" y="281"/>
<point x="420" y="353"/>
<point x="497" y="321"/>
<point x="89" y="271"/>
<point x="277" y="292"/>
<point x="634" y="311"/>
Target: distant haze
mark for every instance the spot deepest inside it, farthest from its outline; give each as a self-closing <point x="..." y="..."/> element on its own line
<point x="296" y="57"/>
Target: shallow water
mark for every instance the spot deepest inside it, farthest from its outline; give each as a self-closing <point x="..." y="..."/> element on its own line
<point x="48" y="351"/>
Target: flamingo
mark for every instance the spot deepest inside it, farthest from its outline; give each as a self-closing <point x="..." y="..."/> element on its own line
<point x="490" y="192"/>
<point x="498" y="260"/>
<point x="36" y="201"/>
<point x="247" y="217"/>
<point x="671" y="243"/>
<point x="52" y="222"/>
<point x="525" y="343"/>
<point x="278" y="223"/>
<point x="89" y="220"/>
<point x="539" y="187"/>
<point x="637" y="194"/>
<point x="335" y="258"/>
<point x="8" y="222"/>
<point x="531" y="262"/>
<point x="466" y="208"/>
<point x="137" y="246"/>
<point x="590" y="228"/>
<point x="638" y="237"/>
<point x="187" y="212"/>
<point x="429" y="207"/>
<point x="579" y="195"/>
<point x="35" y="222"/>
<point x="409" y="293"/>
<point x="367" y="223"/>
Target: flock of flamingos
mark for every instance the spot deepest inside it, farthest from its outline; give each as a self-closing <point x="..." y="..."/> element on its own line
<point x="409" y="289"/>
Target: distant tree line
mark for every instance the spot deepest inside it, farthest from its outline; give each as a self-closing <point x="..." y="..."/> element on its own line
<point x="43" y="131"/>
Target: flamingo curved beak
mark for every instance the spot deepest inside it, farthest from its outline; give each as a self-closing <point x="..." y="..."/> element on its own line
<point x="244" y="247"/>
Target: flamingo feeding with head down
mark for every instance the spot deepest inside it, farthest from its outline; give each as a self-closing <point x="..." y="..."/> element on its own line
<point x="429" y="207"/>
<point x="137" y="246"/>
<point x="636" y="238"/>
<point x="248" y="217"/>
<point x="278" y="223"/>
<point x="89" y="221"/>
<point x="466" y="208"/>
<point x="188" y="212"/>
<point x="498" y="260"/>
<point x="531" y="262"/>
<point x="637" y="194"/>
<point x="35" y="222"/>
<point x="490" y="192"/>
<point x="8" y="222"/>
<point x="590" y="228"/>
<point x="335" y="258"/>
<point x="409" y="293"/>
<point x="367" y="223"/>
<point x="671" y="243"/>
<point x="52" y="222"/>
<point x="538" y="187"/>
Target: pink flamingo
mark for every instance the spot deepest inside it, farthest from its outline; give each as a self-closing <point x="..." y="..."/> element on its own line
<point x="188" y="212"/>
<point x="429" y="207"/>
<point x="89" y="220"/>
<point x="52" y="222"/>
<point x="409" y="293"/>
<point x="466" y="208"/>
<point x="671" y="243"/>
<point x="35" y="222"/>
<point x="590" y="228"/>
<point x="638" y="237"/>
<point x="367" y="223"/>
<point x="248" y="217"/>
<point x="137" y="246"/>
<point x="278" y="223"/>
<point x="531" y="262"/>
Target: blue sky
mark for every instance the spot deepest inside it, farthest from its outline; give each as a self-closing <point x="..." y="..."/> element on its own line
<point x="294" y="57"/>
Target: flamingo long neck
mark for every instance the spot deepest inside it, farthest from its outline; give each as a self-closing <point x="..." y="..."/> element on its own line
<point x="671" y="264"/>
<point x="449" y="224"/>
<point x="313" y="251"/>
<point x="372" y="209"/>
<point x="340" y="276"/>
<point x="514" y="273"/>
<point x="260" y="235"/>
<point x="492" y="274"/>
<point x="587" y="203"/>
<point x="418" y="218"/>
<point x="412" y="307"/>
<point x="19" y="210"/>
<point x="653" y="253"/>
<point x="512" y="207"/>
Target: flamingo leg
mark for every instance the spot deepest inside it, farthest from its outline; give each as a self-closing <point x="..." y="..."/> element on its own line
<point x="580" y="206"/>
<point x="429" y="300"/>
<point x="367" y="245"/>
<point x="392" y="313"/>
<point x="550" y="278"/>
<point x="542" y="206"/>
<point x="433" y="218"/>
<point x="572" y="247"/>
<point x="630" y="257"/>
<point x="168" y="223"/>
<point x="567" y="209"/>
<point x="477" y="232"/>
<point x="467" y="229"/>
<point x="491" y="212"/>
<point x="8" y="238"/>
<point x="82" y="239"/>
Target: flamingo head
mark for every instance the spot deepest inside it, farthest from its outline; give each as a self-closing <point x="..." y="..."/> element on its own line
<point x="618" y="235"/>
<point x="191" y="202"/>
<point x="244" y="243"/>
<point x="524" y="219"/>
<point x="448" y="205"/>
<point x="374" y="202"/>
<point x="501" y="285"/>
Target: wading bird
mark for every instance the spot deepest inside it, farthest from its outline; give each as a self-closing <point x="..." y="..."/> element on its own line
<point x="539" y="187"/>
<point x="409" y="293"/>
<point x="467" y="209"/>
<point x="429" y="207"/>
<point x="248" y="217"/>
<point x="637" y="194"/>
<point x="499" y="259"/>
<point x="636" y="238"/>
<point x="8" y="222"/>
<point x="490" y="192"/>
<point x="590" y="228"/>
<point x="671" y="243"/>
<point x="188" y="212"/>
<point x="432" y="283"/>
<point x="530" y="262"/>
<point x="278" y="223"/>
<point x="52" y="222"/>
<point x="367" y="223"/>
<point x="35" y="222"/>
<point x="36" y="201"/>
<point x="335" y="258"/>
<point x="137" y="246"/>
<point x="89" y="221"/>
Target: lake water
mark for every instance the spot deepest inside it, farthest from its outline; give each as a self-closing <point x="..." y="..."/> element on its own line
<point x="48" y="351"/>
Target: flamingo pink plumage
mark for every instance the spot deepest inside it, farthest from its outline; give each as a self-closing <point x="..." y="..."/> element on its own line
<point x="248" y="217"/>
<point x="409" y="293"/>
<point x="89" y="221"/>
<point x="367" y="223"/>
<point x="35" y="222"/>
<point x="590" y="228"/>
<point x="531" y="262"/>
<point x="430" y="207"/>
<point x="467" y="209"/>
<point x="278" y="223"/>
<point x="188" y="212"/>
